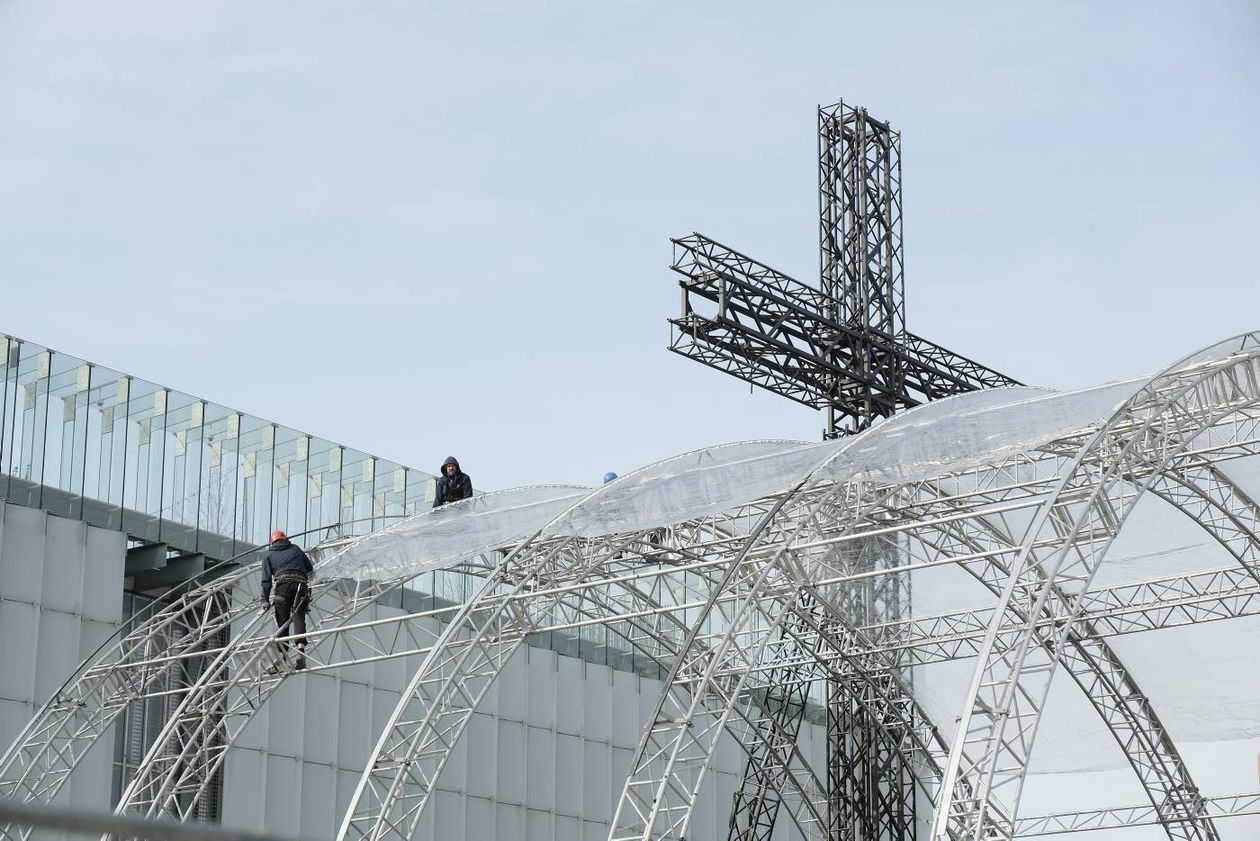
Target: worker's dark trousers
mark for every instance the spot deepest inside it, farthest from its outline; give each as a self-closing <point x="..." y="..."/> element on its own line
<point x="291" y="600"/>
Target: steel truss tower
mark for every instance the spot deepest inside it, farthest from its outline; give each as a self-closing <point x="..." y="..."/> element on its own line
<point x="842" y="347"/>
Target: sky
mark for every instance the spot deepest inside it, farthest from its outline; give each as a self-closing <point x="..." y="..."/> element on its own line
<point x="443" y="228"/>
<point x="423" y="229"/>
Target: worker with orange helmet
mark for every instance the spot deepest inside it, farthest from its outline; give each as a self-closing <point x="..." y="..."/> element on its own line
<point x="288" y="567"/>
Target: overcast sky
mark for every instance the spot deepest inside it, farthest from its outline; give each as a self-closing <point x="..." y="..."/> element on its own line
<point x="442" y="228"/>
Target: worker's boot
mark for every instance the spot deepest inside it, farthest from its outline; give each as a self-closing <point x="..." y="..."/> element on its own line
<point x="280" y="664"/>
<point x="300" y="663"/>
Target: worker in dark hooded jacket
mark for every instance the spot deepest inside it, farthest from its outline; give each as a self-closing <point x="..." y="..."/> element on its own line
<point x="288" y="567"/>
<point x="453" y="485"/>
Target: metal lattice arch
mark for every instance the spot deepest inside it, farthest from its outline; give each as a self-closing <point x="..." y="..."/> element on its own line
<point x="1008" y="527"/>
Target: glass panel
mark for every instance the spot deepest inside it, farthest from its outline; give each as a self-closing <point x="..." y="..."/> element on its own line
<point x="12" y="352"/>
<point x="389" y="494"/>
<point x="64" y="438"/>
<point x="253" y="498"/>
<point x="114" y="416"/>
<point x="288" y="481"/>
<point x="181" y="469"/>
<point x="323" y="484"/>
<point x="145" y="407"/>
<point x="421" y="490"/>
<point x="31" y="404"/>
<point x="357" y="476"/>
<point x="216" y="510"/>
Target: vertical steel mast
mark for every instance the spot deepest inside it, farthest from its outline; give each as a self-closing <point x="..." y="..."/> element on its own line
<point x="841" y="346"/>
<point x="861" y="265"/>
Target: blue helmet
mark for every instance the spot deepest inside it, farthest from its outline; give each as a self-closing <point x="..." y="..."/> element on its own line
<point x="609" y="476"/>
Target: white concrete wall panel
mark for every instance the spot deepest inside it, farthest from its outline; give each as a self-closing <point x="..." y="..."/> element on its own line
<point x="243" y="788"/>
<point x="102" y="571"/>
<point x="540" y="752"/>
<point x="13" y="714"/>
<point x="60" y="598"/>
<point x="320" y="711"/>
<point x="568" y="828"/>
<point x="58" y="645"/>
<point x="597" y="706"/>
<point x="543" y="758"/>
<point x="19" y="620"/>
<point x="319" y="810"/>
<point x="511" y="765"/>
<point x="569" y="700"/>
<point x="286" y="733"/>
<point x="541" y="678"/>
<point x="482" y="756"/>
<point x="22" y="553"/>
<point x="64" y="545"/>
<point x="448" y="817"/>
<point x="281" y="809"/>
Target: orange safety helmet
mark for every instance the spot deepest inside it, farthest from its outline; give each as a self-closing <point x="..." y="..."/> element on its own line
<point x="278" y="535"/>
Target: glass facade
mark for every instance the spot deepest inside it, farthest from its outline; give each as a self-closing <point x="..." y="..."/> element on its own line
<point x="80" y="440"/>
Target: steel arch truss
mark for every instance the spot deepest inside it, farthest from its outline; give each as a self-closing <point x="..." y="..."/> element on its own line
<point x="743" y="613"/>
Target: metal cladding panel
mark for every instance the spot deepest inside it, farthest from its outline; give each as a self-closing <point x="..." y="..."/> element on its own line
<point x="283" y="795"/>
<point x="597" y="689"/>
<point x="383" y="704"/>
<point x="19" y="621"/>
<point x="255" y="734"/>
<point x="539" y="826"/>
<point x="64" y="544"/>
<point x="540" y="759"/>
<point x="353" y="733"/>
<point x="13" y="715"/>
<point x="482" y="737"/>
<point x="490" y="701"/>
<point x="570" y="698"/>
<point x="58" y="647"/>
<point x="389" y="675"/>
<point x="569" y="774"/>
<point x="91" y="634"/>
<point x="728" y="754"/>
<point x="361" y="674"/>
<point x="104" y="557"/>
<point x="318" y="812"/>
<point x="448" y="815"/>
<point x="512" y="683"/>
<point x="455" y="774"/>
<point x="345" y="780"/>
<point x="541" y="687"/>
<point x="21" y="554"/>
<point x="568" y="828"/>
<point x="649" y="691"/>
<point x="320" y="708"/>
<point x="510" y="763"/>
<point x="626" y="724"/>
<point x="243" y="792"/>
<point x="426" y="827"/>
<point x="364" y="673"/>
<point x="509" y="821"/>
<point x="479" y="818"/>
<point x="704" y="814"/>
<point x="594" y="771"/>
<point x="91" y="787"/>
<point x="286" y="735"/>
<point x="619" y="765"/>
